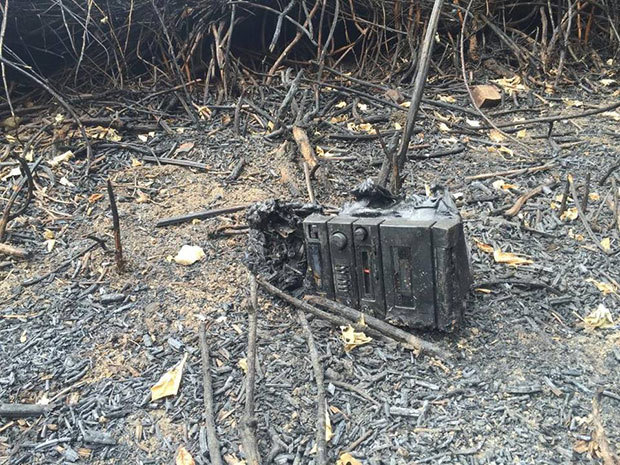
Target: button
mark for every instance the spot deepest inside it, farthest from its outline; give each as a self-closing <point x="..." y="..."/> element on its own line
<point x="360" y="234"/>
<point x="339" y="240"/>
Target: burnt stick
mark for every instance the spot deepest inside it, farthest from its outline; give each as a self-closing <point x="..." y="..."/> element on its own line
<point x="381" y="326"/>
<point x="202" y="215"/>
<point x="248" y="422"/>
<point x="22" y="410"/>
<point x="118" y="246"/>
<point x="321" y="443"/>
<point x="214" y="445"/>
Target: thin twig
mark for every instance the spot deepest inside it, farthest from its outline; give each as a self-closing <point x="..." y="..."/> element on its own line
<point x="584" y="220"/>
<point x="248" y="423"/>
<point x="116" y="223"/>
<point x="214" y="445"/>
<point x="321" y="443"/>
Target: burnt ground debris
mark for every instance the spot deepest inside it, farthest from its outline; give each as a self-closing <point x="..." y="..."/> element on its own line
<point x="90" y="342"/>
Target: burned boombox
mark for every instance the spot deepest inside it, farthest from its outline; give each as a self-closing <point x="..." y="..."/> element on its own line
<point x="408" y="265"/>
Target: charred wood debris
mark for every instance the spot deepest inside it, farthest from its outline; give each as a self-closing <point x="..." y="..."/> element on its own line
<point x="511" y="105"/>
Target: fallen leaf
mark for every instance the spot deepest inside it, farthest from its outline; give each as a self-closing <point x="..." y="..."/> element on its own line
<point x="573" y="103"/>
<point x="203" y="111"/>
<point x="47" y="234"/>
<point x="231" y="459"/>
<point x="496" y="136"/>
<point x="57" y="160"/>
<point x="338" y="119"/>
<point x="65" y="182"/>
<point x="347" y="459"/>
<point x="189" y="254"/>
<point x="511" y="85"/>
<point x="143" y="137"/>
<point x="362" y="127"/>
<point x="443" y="127"/>
<point x="607" y="82"/>
<point x="504" y="186"/>
<point x="483" y="290"/>
<point x="168" y="384"/>
<point x="509" y="258"/>
<point x="94" y="198"/>
<point x="606" y="244"/>
<point x="594" y="196"/>
<point x="184" y="457"/>
<point x="522" y="134"/>
<point x="363" y="107"/>
<point x="142" y="197"/>
<point x="101" y="133"/>
<point x="135" y="163"/>
<point x="446" y="98"/>
<point x="49" y="244"/>
<point x="599" y="318"/>
<point x="569" y="214"/>
<point x="486" y="248"/>
<point x="352" y="339"/>
<point x="243" y="364"/>
<point x="474" y="123"/>
<point x="341" y="104"/>
<point x="185" y="147"/>
<point x="329" y="433"/>
<point x="605" y="288"/>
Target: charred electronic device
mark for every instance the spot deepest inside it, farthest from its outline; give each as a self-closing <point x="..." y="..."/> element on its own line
<point x="408" y="264"/>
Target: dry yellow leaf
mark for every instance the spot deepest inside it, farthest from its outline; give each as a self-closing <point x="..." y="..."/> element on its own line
<point x="168" y="384"/>
<point x="347" y="459"/>
<point x="341" y="104"/>
<point x="184" y="457"/>
<point x="446" y="98"/>
<point x="94" y="198"/>
<point x="443" y="127"/>
<point x="243" y="364"/>
<point x="135" y="163"/>
<point x="57" y="160"/>
<point x="352" y="338"/>
<point x="486" y="248"/>
<point x="338" y="119"/>
<point x="606" y="244"/>
<point x="573" y="103"/>
<point x="231" y="459"/>
<point x="569" y="214"/>
<point x="511" y="85"/>
<point x="605" y="288"/>
<point x="599" y="318"/>
<point x="101" y="133"/>
<point x="594" y="196"/>
<point x="496" y="136"/>
<point x="483" y="290"/>
<point x="142" y="197"/>
<point x="48" y="234"/>
<point x="522" y="134"/>
<point x="501" y="185"/>
<point x="329" y="433"/>
<point x="510" y="258"/>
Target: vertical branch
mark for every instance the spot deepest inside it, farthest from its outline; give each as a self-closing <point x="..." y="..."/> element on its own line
<point x="420" y="81"/>
<point x="248" y="423"/>
<point x="214" y="446"/>
<point x="321" y="442"/>
<point x="118" y="247"/>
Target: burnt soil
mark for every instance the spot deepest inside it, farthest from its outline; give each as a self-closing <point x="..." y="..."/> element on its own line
<point x="525" y="368"/>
